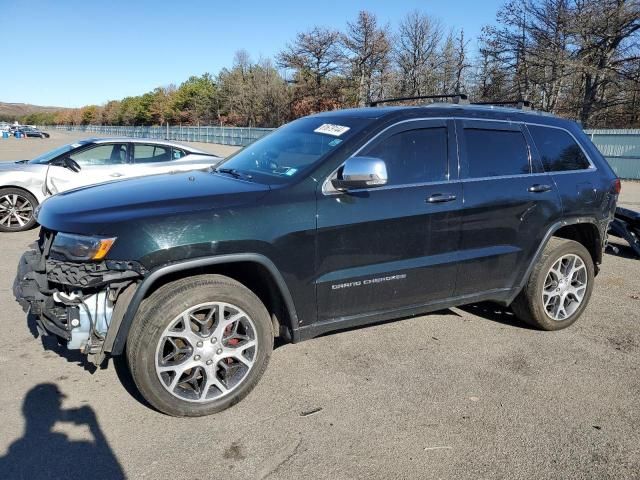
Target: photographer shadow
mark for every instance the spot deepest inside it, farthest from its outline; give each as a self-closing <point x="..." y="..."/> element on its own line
<point x="45" y="453"/>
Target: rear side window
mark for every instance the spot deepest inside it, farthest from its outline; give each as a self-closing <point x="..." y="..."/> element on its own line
<point x="177" y="153"/>
<point x="151" y="153"/>
<point x="413" y="156"/>
<point x="494" y="153"/>
<point x="558" y="150"/>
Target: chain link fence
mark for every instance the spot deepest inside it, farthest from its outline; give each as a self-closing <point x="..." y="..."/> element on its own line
<point x="235" y="136"/>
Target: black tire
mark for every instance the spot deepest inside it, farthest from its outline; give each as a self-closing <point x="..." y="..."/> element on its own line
<point x="167" y="303"/>
<point x="528" y="305"/>
<point x="6" y="197"/>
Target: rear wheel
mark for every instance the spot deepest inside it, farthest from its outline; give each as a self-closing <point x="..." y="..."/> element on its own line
<point x="559" y="287"/>
<point x="16" y="210"/>
<point x="199" y="345"/>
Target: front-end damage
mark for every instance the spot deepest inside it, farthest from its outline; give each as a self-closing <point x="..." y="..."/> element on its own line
<point x="75" y="301"/>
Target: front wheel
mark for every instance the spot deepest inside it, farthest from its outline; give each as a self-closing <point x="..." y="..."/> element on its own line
<point x="16" y="210"/>
<point x="559" y="287"/>
<point x="199" y="345"/>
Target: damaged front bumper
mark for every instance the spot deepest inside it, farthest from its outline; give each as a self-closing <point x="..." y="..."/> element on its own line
<point x="73" y="301"/>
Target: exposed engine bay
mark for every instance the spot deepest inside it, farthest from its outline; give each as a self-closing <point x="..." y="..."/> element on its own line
<point x="71" y="300"/>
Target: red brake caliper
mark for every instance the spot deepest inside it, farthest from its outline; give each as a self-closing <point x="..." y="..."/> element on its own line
<point x="232" y="342"/>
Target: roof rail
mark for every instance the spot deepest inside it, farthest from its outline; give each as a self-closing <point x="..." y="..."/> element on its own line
<point x="520" y="104"/>
<point x="457" y="98"/>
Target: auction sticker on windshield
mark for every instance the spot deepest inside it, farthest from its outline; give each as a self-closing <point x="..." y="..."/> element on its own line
<point x="331" y="129"/>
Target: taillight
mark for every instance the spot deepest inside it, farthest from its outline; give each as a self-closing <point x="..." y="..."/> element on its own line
<point x="616" y="186"/>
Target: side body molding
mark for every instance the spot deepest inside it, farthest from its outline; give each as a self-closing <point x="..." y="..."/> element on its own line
<point x="119" y="329"/>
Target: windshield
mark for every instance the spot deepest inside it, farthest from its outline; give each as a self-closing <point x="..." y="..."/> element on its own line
<point x="46" y="157"/>
<point x="290" y="150"/>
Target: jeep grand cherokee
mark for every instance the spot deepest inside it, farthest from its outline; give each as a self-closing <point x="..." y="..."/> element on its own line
<point x="335" y="220"/>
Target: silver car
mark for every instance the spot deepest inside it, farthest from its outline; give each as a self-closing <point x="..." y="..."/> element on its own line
<point x="26" y="183"/>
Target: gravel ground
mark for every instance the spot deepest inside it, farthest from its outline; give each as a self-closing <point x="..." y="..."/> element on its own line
<point x="463" y="393"/>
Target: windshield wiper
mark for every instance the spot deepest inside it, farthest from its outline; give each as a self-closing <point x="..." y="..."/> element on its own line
<point x="233" y="172"/>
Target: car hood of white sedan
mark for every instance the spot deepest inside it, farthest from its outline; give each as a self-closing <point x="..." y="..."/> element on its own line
<point x="21" y="167"/>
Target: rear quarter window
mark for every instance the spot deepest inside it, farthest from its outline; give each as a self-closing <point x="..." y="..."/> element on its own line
<point x="558" y="150"/>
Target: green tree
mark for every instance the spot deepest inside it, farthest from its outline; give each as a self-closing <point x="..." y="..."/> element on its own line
<point x="195" y="100"/>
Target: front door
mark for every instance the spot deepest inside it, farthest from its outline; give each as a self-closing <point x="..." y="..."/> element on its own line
<point x="98" y="163"/>
<point x="391" y="247"/>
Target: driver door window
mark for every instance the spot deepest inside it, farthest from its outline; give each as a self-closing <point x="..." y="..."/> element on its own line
<point x="102" y="155"/>
<point x="413" y="156"/>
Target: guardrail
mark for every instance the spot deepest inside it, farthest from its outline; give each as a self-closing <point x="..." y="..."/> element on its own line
<point x="621" y="148"/>
<point x="236" y="136"/>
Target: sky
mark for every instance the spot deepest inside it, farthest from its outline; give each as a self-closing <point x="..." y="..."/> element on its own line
<point x="71" y="53"/>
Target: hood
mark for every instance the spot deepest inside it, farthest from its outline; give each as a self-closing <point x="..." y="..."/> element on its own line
<point x="108" y="207"/>
<point x="20" y="166"/>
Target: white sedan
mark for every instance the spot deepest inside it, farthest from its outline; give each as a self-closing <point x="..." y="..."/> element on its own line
<point x="26" y="183"/>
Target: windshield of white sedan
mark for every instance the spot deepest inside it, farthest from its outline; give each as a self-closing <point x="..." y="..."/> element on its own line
<point x="290" y="150"/>
<point x="46" y="157"/>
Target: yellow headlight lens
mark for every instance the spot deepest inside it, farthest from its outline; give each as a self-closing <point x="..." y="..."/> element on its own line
<point x="103" y="249"/>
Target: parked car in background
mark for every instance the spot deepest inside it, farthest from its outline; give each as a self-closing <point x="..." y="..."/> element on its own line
<point x="32" y="132"/>
<point x="26" y="183"/>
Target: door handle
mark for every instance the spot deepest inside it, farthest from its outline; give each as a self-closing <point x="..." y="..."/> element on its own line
<point x="116" y="174"/>
<point x="539" y="188"/>
<point x="441" y="198"/>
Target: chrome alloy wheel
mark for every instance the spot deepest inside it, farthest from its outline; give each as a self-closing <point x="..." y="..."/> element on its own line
<point x="15" y="211"/>
<point x="206" y="352"/>
<point x="564" y="287"/>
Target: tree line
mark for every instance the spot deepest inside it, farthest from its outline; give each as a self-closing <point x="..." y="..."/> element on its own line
<point x="576" y="58"/>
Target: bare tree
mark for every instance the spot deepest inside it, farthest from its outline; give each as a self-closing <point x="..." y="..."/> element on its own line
<point x="549" y="54"/>
<point x="453" y="63"/>
<point x="606" y="34"/>
<point x="492" y="75"/>
<point x="461" y="63"/>
<point x="368" y="46"/>
<point x="252" y="93"/>
<point x="416" y="52"/>
<point x="316" y="54"/>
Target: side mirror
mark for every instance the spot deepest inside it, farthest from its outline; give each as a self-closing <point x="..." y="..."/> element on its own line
<point x="361" y="172"/>
<point x="71" y="164"/>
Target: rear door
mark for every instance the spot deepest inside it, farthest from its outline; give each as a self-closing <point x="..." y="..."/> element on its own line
<point x="392" y="247"/>
<point x="509" y="204"/>
<point x="578" y="181"/>
<point x="98" y="163"/>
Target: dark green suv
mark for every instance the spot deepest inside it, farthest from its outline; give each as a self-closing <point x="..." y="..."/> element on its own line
<point x="332" y="221"/>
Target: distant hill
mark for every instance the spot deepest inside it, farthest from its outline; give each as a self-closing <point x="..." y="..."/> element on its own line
<point x="12" y="111"/>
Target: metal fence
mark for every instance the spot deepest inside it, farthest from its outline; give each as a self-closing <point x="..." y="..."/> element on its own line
<point x="237" y="136"/>
<point x="621" y="148"/>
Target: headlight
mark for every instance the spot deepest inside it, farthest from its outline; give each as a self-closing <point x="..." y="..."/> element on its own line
<point x="80" y="247"/>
